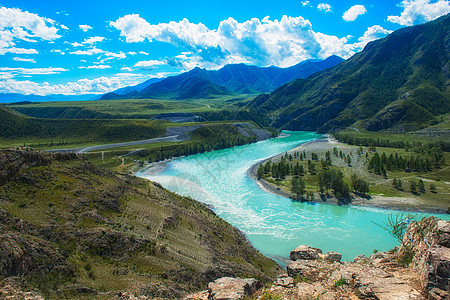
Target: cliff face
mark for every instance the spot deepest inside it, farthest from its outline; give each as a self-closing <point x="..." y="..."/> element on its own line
<point x="428" y="244"/>
<point x="69" y="229"/>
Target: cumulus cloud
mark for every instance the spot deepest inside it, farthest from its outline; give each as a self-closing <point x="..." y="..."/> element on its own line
<point x="31" y="71"/>
<point x="16" y="24"/>
<point x="31" y="60"/>
<point x="149" y="64"/>
<point x="15" y="50"/>
<point x="372" y="33"/>
<point x="419" y="11"/>
<point x="98" y="85"/>
<point x="304" y="3"/>
<point x="58" y="51"/>
<point x="353" y="12"/>
<point x="85" y="27"/>
<point x="93" y="40"/>
<point x="90" y="51"/>
<point x="97" y="67"/>
<point x="263" y="42"/>
<point x="324" y="7"/>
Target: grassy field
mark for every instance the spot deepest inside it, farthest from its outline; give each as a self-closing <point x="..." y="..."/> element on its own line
<point x="125" y="109"/>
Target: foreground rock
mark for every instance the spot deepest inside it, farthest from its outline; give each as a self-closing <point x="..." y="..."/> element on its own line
<point x="228" y="288"/>
<point x="419" y="269"/>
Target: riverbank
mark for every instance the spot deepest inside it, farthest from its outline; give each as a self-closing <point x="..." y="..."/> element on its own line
<point x="327" y="143"/>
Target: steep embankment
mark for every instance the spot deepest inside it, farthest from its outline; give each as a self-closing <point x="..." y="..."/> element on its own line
<point x="71" y="229"/>
<point x="399" y="82"/>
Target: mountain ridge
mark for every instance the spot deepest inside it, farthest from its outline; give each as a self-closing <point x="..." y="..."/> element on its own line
<point x="401" y="70"/>
<point x="233" y="78"/>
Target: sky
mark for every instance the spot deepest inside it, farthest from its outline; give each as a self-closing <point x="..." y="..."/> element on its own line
<point x="94" y="47"/>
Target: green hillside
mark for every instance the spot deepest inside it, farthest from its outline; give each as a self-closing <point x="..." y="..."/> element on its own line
<point x="82" y="231"/>
<point x="16" y="127"/>
<point x="397" y="83"/>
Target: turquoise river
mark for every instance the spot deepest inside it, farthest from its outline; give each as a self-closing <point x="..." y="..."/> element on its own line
<point x="275" y="225"/>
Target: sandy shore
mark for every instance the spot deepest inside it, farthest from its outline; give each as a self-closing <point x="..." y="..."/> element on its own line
<point x="412" y="204"/>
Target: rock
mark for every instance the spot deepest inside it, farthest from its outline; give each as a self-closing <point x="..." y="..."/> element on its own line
<point x="361" y="259"/>
<point x="228" y="288"/>
<point x="333" y="256"/>
<point x="284" y="281"/>
<point x="10" y="288"/>
<point x="437" y="274"/>
<point x="428" y="241"/>
<point x="305" y="268"/>
<point x="305" y="252"/>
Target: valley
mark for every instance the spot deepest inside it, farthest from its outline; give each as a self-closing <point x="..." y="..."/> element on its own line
<point x="155" y="189"/>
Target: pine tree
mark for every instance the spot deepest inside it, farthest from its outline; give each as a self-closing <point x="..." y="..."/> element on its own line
<point x="421" y="186"/>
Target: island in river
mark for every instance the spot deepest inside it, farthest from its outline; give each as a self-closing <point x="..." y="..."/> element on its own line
<point x="382" y="195"/>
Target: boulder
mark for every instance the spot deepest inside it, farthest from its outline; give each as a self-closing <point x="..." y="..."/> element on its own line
<point x="306" y="268"/>
<point x="284" y="281"/>
<point x="333" y="256"/>
<point x="228" y="288"/>
<point x="305" y="252"/>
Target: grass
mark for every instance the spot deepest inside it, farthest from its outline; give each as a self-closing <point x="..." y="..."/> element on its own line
<point x="81" y="194"/>
<point x="125" y="108"/>
<point x="378" y="184"/>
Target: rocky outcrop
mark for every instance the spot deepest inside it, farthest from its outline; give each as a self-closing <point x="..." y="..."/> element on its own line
<point x="227" y="288"/>
<point x="428" y="242"/>
<point x="418" y="269"/>
<point x="12" y="161"/>
<point x="305" y="252"/>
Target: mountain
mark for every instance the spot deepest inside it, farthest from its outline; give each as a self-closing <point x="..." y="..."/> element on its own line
<point x="235" y="78"/>
<point x="139" y="87"/>
<point x="14" y="97"/>
<point x="398" y="83"/>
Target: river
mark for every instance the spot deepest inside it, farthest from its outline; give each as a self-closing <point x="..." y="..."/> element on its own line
<point x="274" y="225"/>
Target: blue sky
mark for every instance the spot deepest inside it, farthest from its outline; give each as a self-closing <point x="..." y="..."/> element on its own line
<point x="81" y="47"/>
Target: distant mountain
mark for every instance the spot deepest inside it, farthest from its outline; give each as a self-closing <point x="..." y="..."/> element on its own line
<point x="13" y="97"/>
<point x="136" y="88"/>
<point x="231" y="79"/>
<point x="398" y="83"/>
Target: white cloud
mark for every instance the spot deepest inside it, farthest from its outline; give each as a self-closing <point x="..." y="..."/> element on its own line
<point x="85" y="27"/>
<point x="17" y="50"/>
<point x="32" y="71"/>
<point x="304" y="3"/>
<point x="93" y="40"/>
<point x="324" y="7"/>
<point x="126" y="69"/>
<point x="265" y="42"/>
<point x="76" y="44"/>
<point x="119" y="55"/>
<point x="58" y="51"/>
<point x="353" y="12"/>
<point x="419" y="11"/>
<point x="99" y="85"/>
<point x="64" y="27"/>
<point x="98" y="67"/>
<point x="143" y="53"/>
<point x="90" y="51"/>
<point x="16" y="24"/>
<point x="372" y="33"/>
<point x="31" y="60"/>
<point x="149" y="64"/>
